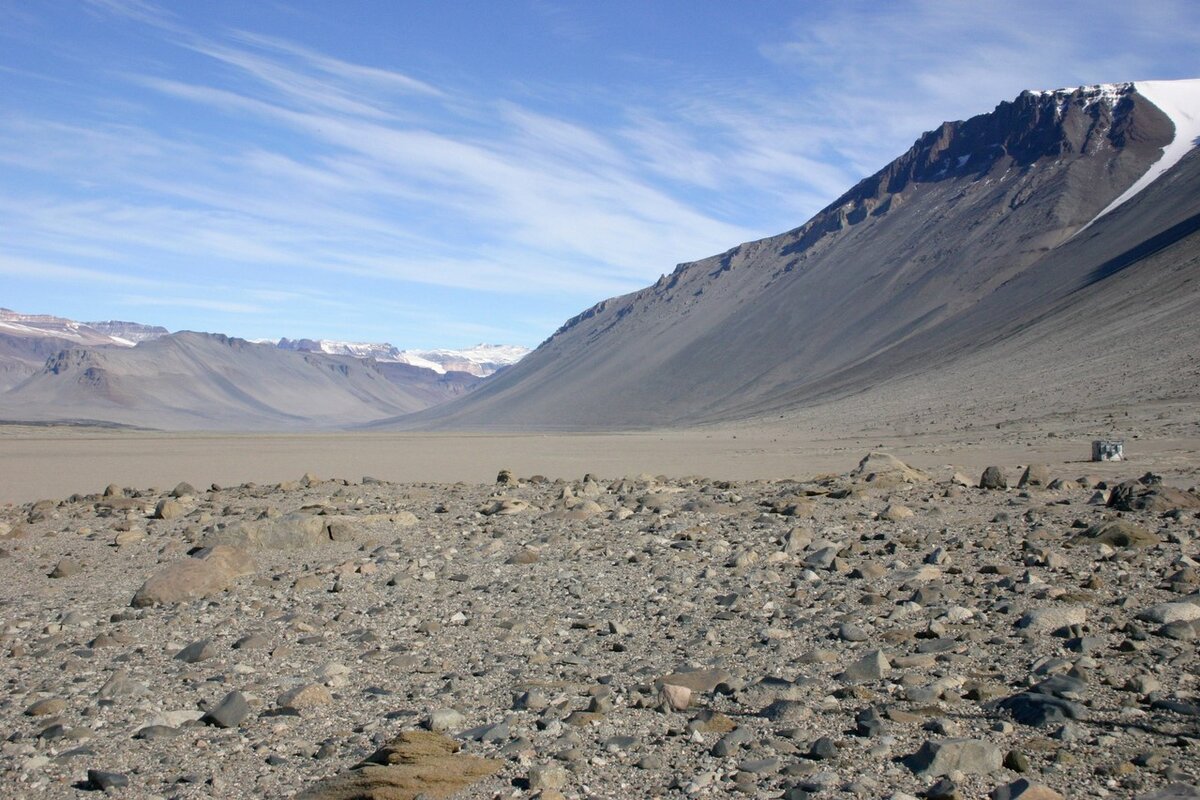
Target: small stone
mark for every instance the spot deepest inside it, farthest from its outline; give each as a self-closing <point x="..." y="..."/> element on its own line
<point x="1174" y="791"/>
<point x="993" y="478"/>
<point x="232" y="709"/>
<point x="1016" y="761"/>
<point x="1165" y="613"/>
<point x="1039" y="710"/>
<point x="151" y="732"/>
<point x="871" y="667"/>
<point x="47" y="707"/>
<point x="443" y="720"/>
<point x="523" y="556"/>
<point x="1053" y="619"/>
<point x="65" y="568"/>
<point x="823" y="749"/>
<point x="102" y="781"/>
<point x="868" y="723"/>
<point x="1035" y="476"/>
<point x="168" y="509"/>
<point x="196" y="652"/>
<point x="549" y="776"/>
<point x="310" y="695"/>
<point x="676" y="698"/>
<point x="849" y="632"/>
<point x="970" y="756"/>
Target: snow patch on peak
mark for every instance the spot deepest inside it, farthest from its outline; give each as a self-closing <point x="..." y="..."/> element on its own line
<point x="1180" y="101"/>
<point x="1096" y="91"/>
<point x="481" y="360"/>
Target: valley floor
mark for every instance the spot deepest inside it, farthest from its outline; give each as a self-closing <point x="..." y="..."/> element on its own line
<point x="55" y="462"/>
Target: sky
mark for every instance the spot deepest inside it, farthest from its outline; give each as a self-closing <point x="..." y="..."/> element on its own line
<point x="442" y="174"/>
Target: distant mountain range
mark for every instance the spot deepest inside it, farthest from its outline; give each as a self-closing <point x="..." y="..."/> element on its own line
<point x="126" y="373"/>
<point x="481" y="360"/>
<point x="1041" y="256"/>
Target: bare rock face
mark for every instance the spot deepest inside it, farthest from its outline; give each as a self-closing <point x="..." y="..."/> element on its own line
<point x="193" y="578"/>
<point x="414" y="764"/>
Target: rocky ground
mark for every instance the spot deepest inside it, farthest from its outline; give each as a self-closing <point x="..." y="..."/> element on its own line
<point x="882" y="633"/>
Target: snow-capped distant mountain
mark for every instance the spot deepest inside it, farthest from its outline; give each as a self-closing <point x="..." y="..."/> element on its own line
<point x="15" y="323"/>
<point x="379" y="352"/>
<point x="132" y="332"/>
<point x="481" y="360"/>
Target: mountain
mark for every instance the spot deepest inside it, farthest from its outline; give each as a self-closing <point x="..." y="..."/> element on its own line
<point x="480" y="361"/>
<point x="1062" y="223"/>
<point x="27" y="340"/>
<point x="132" y="332"/>
<point x="199" y="381"/>
<point x="14" y="323"/>
<point x="57" y="369"/>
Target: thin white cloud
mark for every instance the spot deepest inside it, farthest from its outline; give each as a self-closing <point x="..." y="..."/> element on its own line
<point x="223" y="306"/>
<point x="42" y="270"/>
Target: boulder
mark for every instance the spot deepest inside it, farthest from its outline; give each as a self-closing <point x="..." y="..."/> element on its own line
<point x="1118" y="533"/>
<point x="873" y="666"/>
<point x="65" y="568"/>
<point x="310" y="695"/>
<point x="1024" y="789"/>
<point x="885" y="469"/>
<point x="504" y="507"/>
<point x="289" y="532"/>
<point x="1165" y="613"/>
<point x="1174" y="791"/>
<point x="229" y="713"/>
<point x="1036" y="476"/>
<point x="415" y="764"/>
<point x="969" y="756"/>
<point x="698" y="680"/>
<point x="993" y="478"/>
<point x="1052" y="618"/>
<point x="1137" y="495"/>
<point x="212" y="571"/>
<point x="169" y="508"/>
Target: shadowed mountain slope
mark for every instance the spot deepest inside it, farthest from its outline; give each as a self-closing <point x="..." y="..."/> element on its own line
<point x="984" y="230"/>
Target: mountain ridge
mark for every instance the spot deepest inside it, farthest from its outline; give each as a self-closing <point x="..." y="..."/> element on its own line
<point x="968" y="209"/>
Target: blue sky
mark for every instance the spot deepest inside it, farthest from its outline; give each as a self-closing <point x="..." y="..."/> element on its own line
<point x="440" y="174"/>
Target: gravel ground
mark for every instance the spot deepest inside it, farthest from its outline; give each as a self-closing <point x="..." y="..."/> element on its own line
<point x="881" y="633"/>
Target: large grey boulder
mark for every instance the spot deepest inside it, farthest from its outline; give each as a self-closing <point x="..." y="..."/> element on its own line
<point x="289" y="532"/>
<point x="970" y="756"/>
<point x="213" y="570"/>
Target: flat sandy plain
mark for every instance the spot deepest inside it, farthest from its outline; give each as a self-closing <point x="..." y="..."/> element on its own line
<point x="55" y="462"/>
